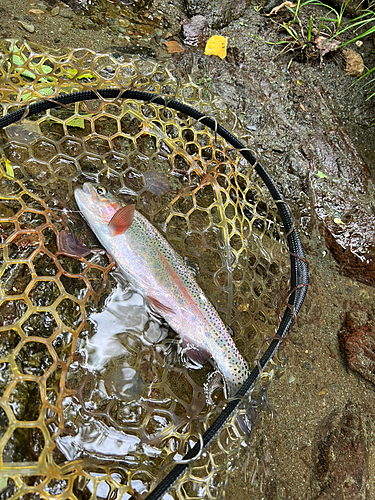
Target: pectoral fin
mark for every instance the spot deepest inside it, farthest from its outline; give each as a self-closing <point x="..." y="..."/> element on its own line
<point x="122" y="220"/>
<point x="161" y="308"/>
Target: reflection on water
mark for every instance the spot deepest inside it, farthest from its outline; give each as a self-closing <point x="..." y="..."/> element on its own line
<point x="106" y="350"/>
<point x="99" y="440"/>
<point x="133" y="390"/>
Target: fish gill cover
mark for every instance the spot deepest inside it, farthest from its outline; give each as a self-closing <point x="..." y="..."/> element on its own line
<point x="97" y="399"/>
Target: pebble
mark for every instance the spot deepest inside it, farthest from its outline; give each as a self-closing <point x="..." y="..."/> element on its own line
<point x="158" y="32"/>
<point x="307" y="365"/>
<point x="124" y="23"/>
<point x="28" y="27"/>
<point x="67" y="13"/>
<point x="55" y="11"/>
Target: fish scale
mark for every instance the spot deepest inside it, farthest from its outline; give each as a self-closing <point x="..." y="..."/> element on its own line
<point x="153" y="267"/>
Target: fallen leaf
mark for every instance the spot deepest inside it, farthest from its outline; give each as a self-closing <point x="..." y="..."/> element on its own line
<point x="9" y="168"/>
<point x="325" y="45"/>
<point x="276" y="9"/>
<point x="302" y="107"/>
<point x="336" y="220"/>
<point x="76" y="122"/>
<point x="37" y="12"/>
<point x="322" y="175"/>
<point x="216" y="46"/>
<point x="354" y="63"/>
<point x="173" y="47"/>
<point x="46" y="91"/>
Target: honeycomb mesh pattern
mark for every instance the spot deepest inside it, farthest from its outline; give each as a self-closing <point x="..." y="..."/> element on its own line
<point x="69" y="425"/>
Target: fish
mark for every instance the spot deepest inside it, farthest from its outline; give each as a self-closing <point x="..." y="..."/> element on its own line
<point x="151" y="265"/>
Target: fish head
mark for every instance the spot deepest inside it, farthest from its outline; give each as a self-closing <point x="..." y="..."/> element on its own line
<point x="96" y="203"/>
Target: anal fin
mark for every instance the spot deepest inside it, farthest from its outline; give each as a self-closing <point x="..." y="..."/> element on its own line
<point x="194" y="353"/>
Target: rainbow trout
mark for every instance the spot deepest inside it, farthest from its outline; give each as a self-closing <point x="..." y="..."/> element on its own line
<point x="151" y="265"/>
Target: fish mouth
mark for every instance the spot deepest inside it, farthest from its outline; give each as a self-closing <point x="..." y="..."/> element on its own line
<point x="89" y="188"/>
<point x="86" y="196"/>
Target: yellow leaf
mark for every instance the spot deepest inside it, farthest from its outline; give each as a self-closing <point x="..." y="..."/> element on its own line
<point x="336" y="220"/>
<point x="9" y="168"/>
<point x="216" y="46"/>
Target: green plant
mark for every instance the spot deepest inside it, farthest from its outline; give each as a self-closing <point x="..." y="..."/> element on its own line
<point x="371" y="82"/>
<point x="206" y="79"/>
<point x="366" y="22"/>
<point x="331" y="26"/>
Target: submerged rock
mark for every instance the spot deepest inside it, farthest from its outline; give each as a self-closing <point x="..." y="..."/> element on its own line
<point x="357" y="345"/>
<point x="341" y="457"/>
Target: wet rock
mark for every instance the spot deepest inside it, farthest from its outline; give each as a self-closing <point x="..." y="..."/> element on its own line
<point x="340" y="457"/>
<point x="357" y="345"/>
<point x="222" y="12"/>
<point x="67" y="13"/>
<point x="195" y="31"/>
<point x="349" y="247"/>
<point x="342" y="202"/>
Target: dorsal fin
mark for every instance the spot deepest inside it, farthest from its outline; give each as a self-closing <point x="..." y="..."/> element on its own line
<point x="122" y="220"/>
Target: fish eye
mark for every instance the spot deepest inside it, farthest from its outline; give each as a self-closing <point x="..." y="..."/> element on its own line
<point x="101" y="191"/>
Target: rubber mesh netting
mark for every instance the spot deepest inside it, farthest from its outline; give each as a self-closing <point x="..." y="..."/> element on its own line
<point x="97" y="399"/>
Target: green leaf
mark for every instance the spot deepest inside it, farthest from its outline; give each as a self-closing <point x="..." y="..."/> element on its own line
<point x="28" y="95"/>
<point x="76" y="122"/>
<point x="322" y="175"/>
<point x="39" y="70"/>
<point x="46" y="69"/>
<point x="3" y="482"/>
<point x="18" y="61"/>
<point x="86" y="75"/>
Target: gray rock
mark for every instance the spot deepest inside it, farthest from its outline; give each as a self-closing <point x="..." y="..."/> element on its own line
<point x="222" y="12"/>
<point x="195" y="31"/>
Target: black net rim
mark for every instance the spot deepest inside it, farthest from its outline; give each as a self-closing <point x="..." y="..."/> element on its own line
<point x="299" y="278"/>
